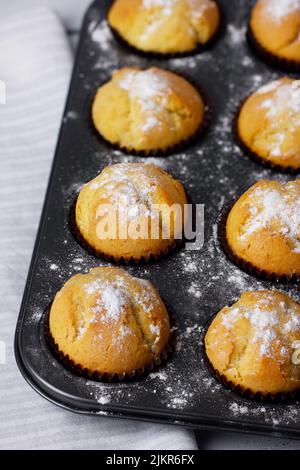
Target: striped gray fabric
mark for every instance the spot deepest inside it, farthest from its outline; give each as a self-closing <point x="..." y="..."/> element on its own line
<point x="35" y="63"/>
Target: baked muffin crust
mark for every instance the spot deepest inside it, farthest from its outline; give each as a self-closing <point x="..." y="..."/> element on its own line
<point x="275" y="25"/>
<point x="165" y="26"/>
<point x="269" y="123"/>
<point x="131" y="190"/>
<point x="251" y="343"/>
<point x="109" y="322"/>
<point x="147" y="110"/>
<point x="263" y="227"/>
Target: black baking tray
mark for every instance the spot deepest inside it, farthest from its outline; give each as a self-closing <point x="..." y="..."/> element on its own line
<point x="196" y="284"/>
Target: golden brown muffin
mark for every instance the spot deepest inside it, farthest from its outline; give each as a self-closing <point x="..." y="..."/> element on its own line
<point x="165" y="26"/>
<point x="269" y="123"/>
<point x="251" y="343"/>
<point x="127" y="196"/>
<point x="263" y="227"/>
<point x="275" y="26"/>
<point x="109" y="322"/>
<point x="147" y="110"/>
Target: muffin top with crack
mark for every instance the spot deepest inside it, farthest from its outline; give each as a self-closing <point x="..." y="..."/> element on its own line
<point x="263" y="227"/>
<point x="252" y="343"/>
<point x="165" y="26"/>
<point x="275" y="25"/>
<point x="131" y="211"/>
<point x="147" y="110"/>
<point x="108" y="322"/>
<point x="269" y="123"/>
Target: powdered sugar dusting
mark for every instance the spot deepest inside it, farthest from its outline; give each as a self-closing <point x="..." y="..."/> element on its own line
<point x="272" y="206"/>
<point x="195" y="9"/>
<point x="195" y="290"/>
<point x="144" y="84"/>
<point x="121" y="185"/>
<point x="281" y="107"/>
<point x="113" y="301"/>
<point x="151" y="91"/>
<point x="104" y="400"/>
<point x="270" y="414"/>
<point x="237" y="35"/>
<point x="178" y="402"/>
<point x="269" y="320"/>
<point x="150" y="123"/>
<point x="238" y="409"/>
<point x="278" y="10"/>
<point x="101" y="34"/>
<point x="165" y="6"/>
<point x="286" y="98"/>
<point x="269" y="87"/>
<point x="158" y="375"/>
<point x="155" y="329"/>
<point x="190" y="267"/>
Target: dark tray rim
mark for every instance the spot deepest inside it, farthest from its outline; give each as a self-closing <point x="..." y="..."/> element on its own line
<point x="87" y="407"/>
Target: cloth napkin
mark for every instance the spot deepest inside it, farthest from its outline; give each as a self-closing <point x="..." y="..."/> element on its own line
<point x="35" y="64"/>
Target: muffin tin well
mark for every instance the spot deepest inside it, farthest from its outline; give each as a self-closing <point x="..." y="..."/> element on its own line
<point x="196" y="284"/>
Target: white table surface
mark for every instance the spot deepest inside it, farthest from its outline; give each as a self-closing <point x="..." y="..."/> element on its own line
<point x="71" y="12"/>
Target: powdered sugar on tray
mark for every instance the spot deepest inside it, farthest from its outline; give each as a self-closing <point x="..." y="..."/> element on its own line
<point x="167" y="381"/>
<point x="187" y="62"/>
<point x="102" y="396"/>
<point x="158" y="375"/>
<point x="247" y="62"/>
<point x="101" y="34"/>
<point x="194" y="289"/>
<point x="238" y="409"/>
<point x="237" y="35"/>
<point x="190" y="267"/>
<point x="178" y="402"/>
<point x="269" y="414"/>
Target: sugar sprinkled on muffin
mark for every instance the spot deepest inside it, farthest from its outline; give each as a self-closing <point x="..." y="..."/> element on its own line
<point x="135" y="193"/>
<point x="263" y="228"/>
<point x="251" y="343"/>
<point x="165" y="26"/>
<point x="108" y="322"/>
<point x="147" y="111"/>
<point x="274" y="27"/>
<point x="269" y="123"/>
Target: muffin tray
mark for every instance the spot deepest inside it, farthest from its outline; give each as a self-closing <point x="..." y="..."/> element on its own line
<point x="195" y="284"/>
